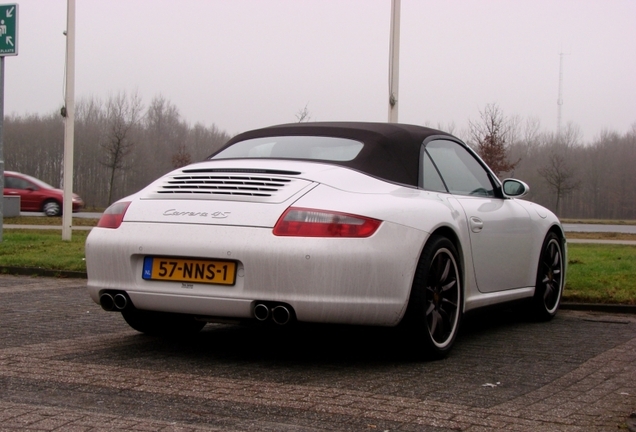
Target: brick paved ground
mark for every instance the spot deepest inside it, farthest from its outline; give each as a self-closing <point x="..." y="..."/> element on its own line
<point x="67" y="365"/>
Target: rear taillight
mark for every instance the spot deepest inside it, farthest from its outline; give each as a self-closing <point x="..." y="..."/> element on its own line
<point x="301" y="222"/>
<point x="113" y="215"/>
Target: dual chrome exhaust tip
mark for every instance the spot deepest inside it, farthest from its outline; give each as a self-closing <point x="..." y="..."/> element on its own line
<point x="114" y="301"/>
<point x="280" y="314"/>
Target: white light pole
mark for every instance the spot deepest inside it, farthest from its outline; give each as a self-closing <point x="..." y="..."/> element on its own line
<point x="69" y="124"/>
<point x="394" y="60"/>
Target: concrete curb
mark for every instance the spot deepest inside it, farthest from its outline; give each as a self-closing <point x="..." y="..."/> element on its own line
<point x="34" y="271"/>
<point x="599" y="307"/>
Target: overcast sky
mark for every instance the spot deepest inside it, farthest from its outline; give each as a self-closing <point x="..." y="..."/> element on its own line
<point x="243" y="64"/>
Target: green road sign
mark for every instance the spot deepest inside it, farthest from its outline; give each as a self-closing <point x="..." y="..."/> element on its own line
<point x="8" y="29"/>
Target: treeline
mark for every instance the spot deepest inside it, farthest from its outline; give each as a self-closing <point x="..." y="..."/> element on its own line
<point x="574" y="179"/>
<point x="580" y="180"/>
<point x="120" y="145"/>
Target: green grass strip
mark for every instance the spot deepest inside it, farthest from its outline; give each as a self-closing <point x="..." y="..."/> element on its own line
<point x="601" y="273"/>
<point x="43" y="249"/>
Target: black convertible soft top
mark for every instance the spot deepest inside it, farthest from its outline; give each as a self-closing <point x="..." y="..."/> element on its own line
<point x="391" y="150"/>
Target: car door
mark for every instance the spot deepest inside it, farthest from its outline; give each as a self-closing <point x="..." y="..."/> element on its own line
<point x="29" y="199"/>
<point x="499" y="228"/>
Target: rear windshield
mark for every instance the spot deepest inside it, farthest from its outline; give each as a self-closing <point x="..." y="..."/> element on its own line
<point x="294" y="147"/>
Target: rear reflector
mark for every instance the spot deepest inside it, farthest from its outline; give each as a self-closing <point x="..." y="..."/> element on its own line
<point x="114" y="215"/>
<point x="301" y="222"/>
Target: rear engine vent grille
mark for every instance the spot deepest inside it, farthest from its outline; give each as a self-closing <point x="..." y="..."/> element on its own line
<point x="239" y="170"/>
<point x="224" y="184"/>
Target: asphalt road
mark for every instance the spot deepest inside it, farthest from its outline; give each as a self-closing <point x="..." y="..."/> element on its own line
<point x="85" y="215"/>
<point x="598" y="228"/>
<point x="67" y="365"/>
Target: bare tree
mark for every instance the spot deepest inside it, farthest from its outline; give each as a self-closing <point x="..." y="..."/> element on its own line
<point x="89" y="173"/>
<point x="303" y="115"/>
<point x="558" y="173"/>
<point x="203" y="141"/>
<point x="490" y="136"/>
<point x="531" y="130"/>
<point x="559" y="176"/>
<point x="165" y="133"/>
<point x="122" y="115"/>
<point x="570" y="137"/>
<point x="182" y="157"/>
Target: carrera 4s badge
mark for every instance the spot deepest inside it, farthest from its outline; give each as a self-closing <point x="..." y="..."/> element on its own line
<point x="213" y="215"/>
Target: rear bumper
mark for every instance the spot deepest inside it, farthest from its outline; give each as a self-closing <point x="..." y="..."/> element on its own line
<point x="331" y="280"/>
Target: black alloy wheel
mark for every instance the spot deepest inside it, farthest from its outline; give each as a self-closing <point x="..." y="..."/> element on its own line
<point x="550" y="274"/>
<point x="435" y="307"/>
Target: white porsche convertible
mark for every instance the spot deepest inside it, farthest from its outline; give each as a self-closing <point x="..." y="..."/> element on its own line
<point x="352" y="223"/>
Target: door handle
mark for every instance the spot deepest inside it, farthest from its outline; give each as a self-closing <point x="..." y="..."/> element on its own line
<point x="476" y="224"/>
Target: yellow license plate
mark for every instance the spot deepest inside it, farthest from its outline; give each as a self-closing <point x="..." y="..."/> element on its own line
<point x="189" y="270"/>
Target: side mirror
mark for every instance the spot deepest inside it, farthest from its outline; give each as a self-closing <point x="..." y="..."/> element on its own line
<point x="515" y="188"/>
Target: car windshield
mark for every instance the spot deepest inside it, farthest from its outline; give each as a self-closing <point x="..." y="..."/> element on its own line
<point x="294" y="147"/>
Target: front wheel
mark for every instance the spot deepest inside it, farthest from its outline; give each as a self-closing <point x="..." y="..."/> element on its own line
<point x="435" y="307"/>
<point x="550" y="279"/>
<point x="161" y="323"/>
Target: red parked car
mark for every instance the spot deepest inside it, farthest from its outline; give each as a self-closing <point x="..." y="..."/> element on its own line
<point x="36" y="195"/>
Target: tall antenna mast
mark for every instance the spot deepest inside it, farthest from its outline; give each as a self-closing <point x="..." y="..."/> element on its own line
<point x="560" y="100"/>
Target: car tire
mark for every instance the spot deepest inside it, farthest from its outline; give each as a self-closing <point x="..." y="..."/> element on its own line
<point x="435" y="307"/>
<point x="52" y="208"/>
<point x="161" y="323"/>
<point x="549" y="283"/>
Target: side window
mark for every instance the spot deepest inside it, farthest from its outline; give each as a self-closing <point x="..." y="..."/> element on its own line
<point x="18" y="183"/>
<point x="14" y="183"/>
<point x="431" y="179"/>
<point x="461" y="172"/>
